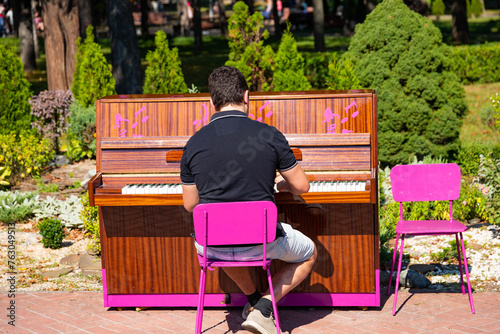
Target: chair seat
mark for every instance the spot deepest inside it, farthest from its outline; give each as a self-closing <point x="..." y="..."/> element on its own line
<point x="216" y="263"/>
<point x="429" y="227"/>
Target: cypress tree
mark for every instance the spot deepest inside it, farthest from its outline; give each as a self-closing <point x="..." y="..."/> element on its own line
<point x="289" y="66"/>
<point x="164" y="73"/>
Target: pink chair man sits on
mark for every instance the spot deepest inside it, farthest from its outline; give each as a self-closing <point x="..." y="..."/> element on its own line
<point x="224" y="224"/>
<point x="435" y="182"/>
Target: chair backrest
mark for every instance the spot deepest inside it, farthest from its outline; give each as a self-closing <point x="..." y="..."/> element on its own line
<point x="235" y="223"/>
<point x="434" y="182"/>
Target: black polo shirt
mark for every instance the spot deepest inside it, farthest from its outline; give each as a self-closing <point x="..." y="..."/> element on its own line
<point x="234" y="158"/>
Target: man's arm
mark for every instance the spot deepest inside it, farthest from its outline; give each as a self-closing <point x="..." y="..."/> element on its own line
<point x="293" y="180"/>
<point x="190" y="197"/>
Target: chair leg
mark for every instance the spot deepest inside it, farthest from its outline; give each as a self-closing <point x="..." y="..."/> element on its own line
<point x="396" y="285"/>
<point x="392" y="266"/>
<point x="275" y="307"/>
<point x="467" y="275"/>
<point x="201" y="301"/>
<point x="460" y="265"/>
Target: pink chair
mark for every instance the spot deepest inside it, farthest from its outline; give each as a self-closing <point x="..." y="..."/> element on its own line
<point x="417" y="183"/>
<point x="236" y="223"/>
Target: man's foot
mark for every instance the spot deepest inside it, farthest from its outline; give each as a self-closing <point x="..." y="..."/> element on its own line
<point x="257" y="323"/>
<point x="246" y="310"/>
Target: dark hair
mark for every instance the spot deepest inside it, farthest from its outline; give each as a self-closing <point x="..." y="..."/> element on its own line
<point x="227" y="85"/>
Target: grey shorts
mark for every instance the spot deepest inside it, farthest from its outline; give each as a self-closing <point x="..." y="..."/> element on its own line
<point x="294" y="247"/>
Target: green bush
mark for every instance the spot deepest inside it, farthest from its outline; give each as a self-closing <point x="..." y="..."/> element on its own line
<point x="420" y="100"/>
<point x="477" y="63"/>
<point x="51" y="110"/>
<point x="80" y="140"/>
<point x="24" y="154"/>
<point x="52" y="233"/>
<point x="468" y="157"/>
<point x="471" y="203"/>
<point x="495" y="102"/>
<point x="289" y="66"/>
<point x="15" y="92"/>
<point x="341" y="75"/>
<point x="90" y="217"/>
<point x="438" y="8"/>
<point x="247" y="51"/>
<point x="163" y="73"/>
<point x="93" y="78"/>
<point x="316" y="68"/>
<point x="16" y="206"/>
<point x="489" y="178"/>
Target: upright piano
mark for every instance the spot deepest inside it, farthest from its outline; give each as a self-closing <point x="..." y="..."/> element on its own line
<point x="148" y="255"/>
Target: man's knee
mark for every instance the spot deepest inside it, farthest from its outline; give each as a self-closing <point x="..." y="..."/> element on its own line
<point x="314" y="254"/>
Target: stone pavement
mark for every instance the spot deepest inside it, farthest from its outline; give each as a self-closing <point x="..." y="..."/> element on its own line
<point x="419" y="312"/>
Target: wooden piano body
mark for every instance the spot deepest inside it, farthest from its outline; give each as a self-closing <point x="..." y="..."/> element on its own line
<point x="148" y="254"/>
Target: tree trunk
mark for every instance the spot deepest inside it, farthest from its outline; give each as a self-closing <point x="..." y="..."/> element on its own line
<point x="26" y="40"/>
<point x="198" y="40"/>
<point x="276" y="17"/>
<point x="222" y="19"/>
<point x="250" y="6"/>
<point x="61" y="24"/>
<point x="460" y="26"/>
<point x="16" y="10"/>
<point x="144" y="17"/>
<point x="319" y="26"/>
<point x="125" y="57"/>
<point x="85" y="15"/>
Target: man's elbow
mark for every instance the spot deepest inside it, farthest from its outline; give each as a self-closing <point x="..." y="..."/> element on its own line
<point x="302" y="188"/>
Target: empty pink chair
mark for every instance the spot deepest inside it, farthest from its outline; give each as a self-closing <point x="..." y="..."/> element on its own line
<point x="417" y="183"/>
<point x="233" y="224"/>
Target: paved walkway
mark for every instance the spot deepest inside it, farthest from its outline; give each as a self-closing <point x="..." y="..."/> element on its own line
<point x="419" y="312"/>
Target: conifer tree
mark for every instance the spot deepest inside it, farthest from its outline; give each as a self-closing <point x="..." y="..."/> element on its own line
<point x="93" y="78"/>
<point x="341" y="74"/>
<point x="438" y="8"/>
<point x="15" y="92"/>
<point x="164" y="73"/>
<point x="421" y="102"/>
<point x="476" y="7"/>
<point x="247" y="50"/>
<point x="289" y="66"/>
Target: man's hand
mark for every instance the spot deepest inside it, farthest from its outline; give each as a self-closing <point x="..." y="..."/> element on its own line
<point x="293" y="180"/>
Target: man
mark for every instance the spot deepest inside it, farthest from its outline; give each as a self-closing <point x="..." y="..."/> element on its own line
<point x="234" y="158"/>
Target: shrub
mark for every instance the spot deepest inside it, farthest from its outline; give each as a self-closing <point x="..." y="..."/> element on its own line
<point x="341" y="75"/>
<point x="420" y="102"/>
<point x="4" y="174"/>
<point x="289" y="66"/>
<point x="477" y="63"/>
<point x="93" y="78"/>
<point x="51" y="110"/>
<point x="90" y="217"/>
<point x="52" y="233"/>
<point x="489" y="178"/>
<point x="163" y="73"/>
<point x="468" y="157"/>
<point x="316" y="68"/>
<point x="247" y="51"/>
<point x="80" y="141"/>
<point x="16" y="206"/>
<point x="471" y="203"/>
<point x="15" y="92"/>
<point x="24" y="154"/>
<point x="495" y="101"/>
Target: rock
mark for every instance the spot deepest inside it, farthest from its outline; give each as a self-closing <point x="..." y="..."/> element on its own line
<point x="421" y="268"/>
<point x="87" y="178"/>
<point x="412" y="279"/>
<point x="88" y="262"/>
<point x="59" y="160"/>
<point x="70" y="259"/>
<point x="384" y="277"/>
<point x="92" y="272"/>
<point x="474" y="246"/>
<point x="56" y="273"/>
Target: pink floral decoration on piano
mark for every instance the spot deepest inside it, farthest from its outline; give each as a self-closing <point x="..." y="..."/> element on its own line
<point x="204" y="116"/>
<point x="329" y="115"/>
<point x="120" y="121"/>
<point x="267" y="115"/>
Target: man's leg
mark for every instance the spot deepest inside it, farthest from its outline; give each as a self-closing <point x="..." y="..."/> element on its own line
<point x="241" y="276"/>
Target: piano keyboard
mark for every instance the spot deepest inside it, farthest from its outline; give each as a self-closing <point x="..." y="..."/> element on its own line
<point x="176" y="188"/>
